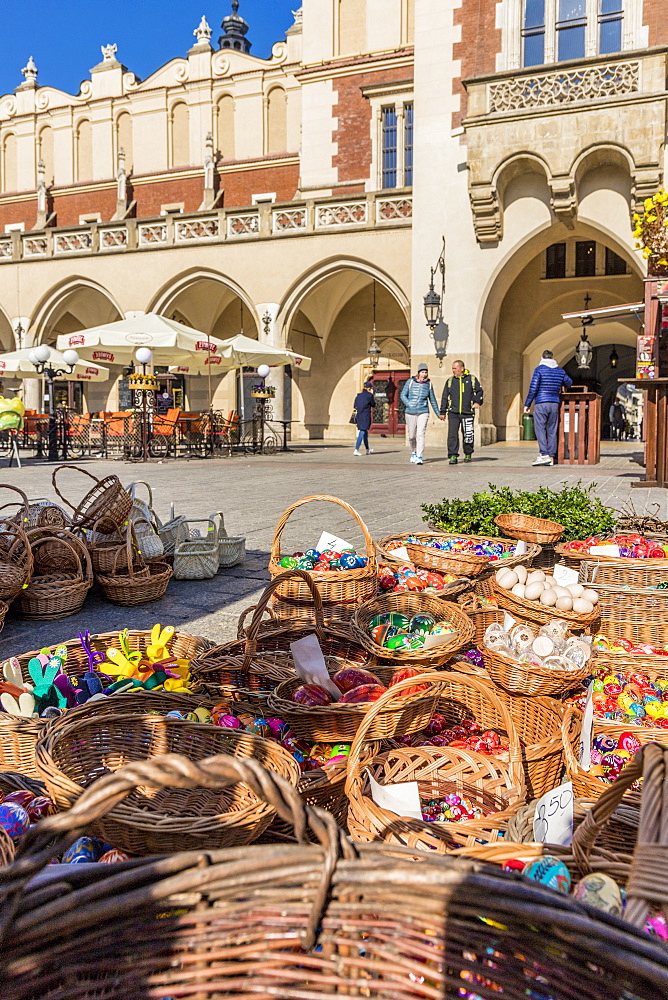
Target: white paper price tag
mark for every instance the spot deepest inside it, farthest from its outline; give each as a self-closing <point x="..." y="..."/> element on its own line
<point x="402" y="553"/>
<point x="329" y="541"/>
<point x="553" y="819"/>
<point x="604" y="550"/>
<point x="508" y="621"/>
<point x="403" y="799"/>
<point x="520" y="547"/>
<point x="310" y="664"/>
<point x="564" y="575"/>
<point x="585" y="734"/>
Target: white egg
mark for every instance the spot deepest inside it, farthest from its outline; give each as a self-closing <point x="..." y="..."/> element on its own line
<point x="542" y="645"/>
<point x="548" y="598"/>
<point x="518" y="590"/>
<point x="582" y="607"/>
<point x="534" y="575"/>
<point x="532" y="591"/>
<point x="589" y="595"/>
<point x="521" y="572"/>
<point x="501" y="572"/>
<point x="508" y="580"/>
<point x="561" y="591"/>
<point x="576" y="589"/>
<point x="550" y="582"/>
<point x="564" y="604"/>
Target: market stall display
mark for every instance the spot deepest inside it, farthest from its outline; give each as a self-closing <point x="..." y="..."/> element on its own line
<point x="537" y="597"/>
<point x="546" y="661"/>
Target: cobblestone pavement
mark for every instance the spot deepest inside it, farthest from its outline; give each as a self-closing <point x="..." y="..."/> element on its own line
<point x="254" y="491"/>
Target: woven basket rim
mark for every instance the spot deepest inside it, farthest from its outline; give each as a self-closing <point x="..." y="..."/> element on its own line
<point x="528" y="528"/>
<point x="527" y="608"/>
<point x="626" y="561"/>
<point x="499" y="666"/>
<point x="437" y="654"/>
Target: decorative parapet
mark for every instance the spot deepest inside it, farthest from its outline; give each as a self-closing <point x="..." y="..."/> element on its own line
<point x="585" y="83"/>
<point x="115" y="238"/>
<point x="287" y="220"/>
<point x="243" y="225"/>
<point x="197" y="230"/>
<point x="6" y="248"/>
<point x="392" y="209"/>
<point x="34" y="246"/>
<point x="152" y="233"/>
<point x="353" y="213"/>
<point x="79" y="242"/>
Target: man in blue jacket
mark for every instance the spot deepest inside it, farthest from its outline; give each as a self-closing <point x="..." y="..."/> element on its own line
<point x="416" y="395"/>
<point x="547" y="382"/>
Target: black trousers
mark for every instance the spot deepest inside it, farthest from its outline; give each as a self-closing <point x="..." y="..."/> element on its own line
<point x="455" y="421"/>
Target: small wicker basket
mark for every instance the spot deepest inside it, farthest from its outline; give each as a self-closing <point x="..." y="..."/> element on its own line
<point x="62" y="575"/>
<point x="531" y="680"/>
<point x="196" y="557"/>
<point x="530" y="529"/>
<point x="410" y="605"/>
<point x="107" y="499"/>
<point x="136" y="582"/>
<point x="16" y="560"/>
<point x="232" y="548"/>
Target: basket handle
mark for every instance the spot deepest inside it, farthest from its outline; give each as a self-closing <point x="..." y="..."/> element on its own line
<point x="441" y="680"/>
<point x="8" y="527"/>
<point x="77" y="468"/>
<point x="570" y="717"/>
<point x="183" y="527"/>
<point x="283" y="520"/>
<point x="24" y="517"/>
<point x="647" y="879"/>
<point x="132" y="490"/>
<point x="254" y="627"/>
<point x="54" y="834"/>
<point x="241" y="624"/>
<point x="130" y="543"/>
<point x="38" y="536"/>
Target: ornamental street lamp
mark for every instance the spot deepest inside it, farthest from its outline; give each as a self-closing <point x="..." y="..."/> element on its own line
<point x="374" y="353"/>
<point x="614" y="358"/>
<point x="584" y="352"/>
<point x="433" y="303"/>
<point x="39" y="357"/>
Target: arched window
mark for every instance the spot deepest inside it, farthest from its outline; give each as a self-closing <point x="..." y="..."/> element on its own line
<point x="124" y="139"/>
<point x="225" y="127"/>
<point x="277" y="121"/>
<point x="84" y="151"/>
<point x="352" y="27"/>
<point x="180" y="151"/>
<point x="9" y="168"/>
<point x="45" y="152"/>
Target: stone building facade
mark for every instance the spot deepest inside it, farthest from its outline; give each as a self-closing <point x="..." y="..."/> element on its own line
<point x="304" y="198"/>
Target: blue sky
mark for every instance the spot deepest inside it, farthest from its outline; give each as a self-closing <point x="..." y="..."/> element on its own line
<point x="65" y="36"/>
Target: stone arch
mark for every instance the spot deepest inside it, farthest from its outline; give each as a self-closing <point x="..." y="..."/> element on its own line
<point x="55" y="303"/>
<point x="225" y="138"/>
<point x="124" y="139"/>
<point x="518" y="165"/>
<point x="173" y="289"/>
<point x="607" y="154"/>
<point x="83" y="139"/>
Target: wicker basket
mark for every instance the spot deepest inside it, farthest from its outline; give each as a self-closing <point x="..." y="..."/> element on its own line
<point x="133" y="586"/>
<point x="410" y="605"/>
<point x="294" y="920"/>
<point x="231" y="548"/>
<point x="619" y="835"/>
<point x="531" y="680"/>
<point x="18" y="740"/>
<point x="16" y="510"/>
<point x="196" y="557"/>
<point x="4" y="608"/>
<point x="460" y="563"/>
<point x="109" y="550"/>
<point x="62" y="575"/>
<point x="439" y="771"/>
<point x="15" y="560"/>
<point x="639" y="614"/>
<point x="12" y="781"/>
<point x="584" y="783"/>
<point x="77" y="750"/>
<point x="481" y="614"/>
<point x="43" y="513"/>
<point x="536" y="614"/>
<point x="530" y="529"/>
<point x="107" y="499"/>
<point x="616" y="571"/>
<point x="655" y="667"/>
<point x="341" y="591"/>
<point x="510" y="558"/>
<point x="336" y="723"/>
<point x="250" y="667"/>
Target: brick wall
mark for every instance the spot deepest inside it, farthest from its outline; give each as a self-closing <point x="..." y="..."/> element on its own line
<point x="283" y="179"/>
<point x="654" y="16"/>
<point x="479" y="45"/>
<point x="353" y="113"/>
<point x="188" y="191"/>
<point x="23" y="210"/>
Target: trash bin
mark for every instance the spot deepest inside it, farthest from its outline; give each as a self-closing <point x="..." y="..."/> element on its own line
<point x="528" y="432"/>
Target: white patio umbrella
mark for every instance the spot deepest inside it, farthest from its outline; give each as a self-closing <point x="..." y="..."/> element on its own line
<point x="17" y="364"/>
<point x="115" y="343"/>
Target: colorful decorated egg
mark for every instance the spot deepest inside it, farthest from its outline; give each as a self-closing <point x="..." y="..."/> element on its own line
<point x="549" y="871"/>
<point x="422" y="624"/>
<point x="21" y="797"/>
<point x="442" y="628"/>
<point x="84" y="851"/>
<point x="600" y="891"/>
<point x="113" y="856"/>
<point x="40" y="807"/>
<point x="14" y="819"/>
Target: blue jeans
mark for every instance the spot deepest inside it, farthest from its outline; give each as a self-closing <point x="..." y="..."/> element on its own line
<point x="545" y="422"/>
<point x="362" y="438"/>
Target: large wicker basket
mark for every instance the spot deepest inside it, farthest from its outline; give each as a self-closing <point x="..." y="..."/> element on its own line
<point x="341" y="591"/>
<point x="77" y="750"/>
<point x="62" y="575"/>
<point x="249" y="668"/>
<point x="530" y="679"/>
<point x="536" y="614"/>
<point x="18" y="741"/>
<point x="106" y="500"/>
<point x="15" y="560"/>
<point x="135" y="582"/>
<point x="16" y="510"/>
<point x="481" y="614"/>
<point x="639" y="614"/>
<point x="291" y="921"/>
<point x="617" y="571"/>
<point x="496" y="786"/>
<point x="410" y="605"/>
<point x="530" y="529"/>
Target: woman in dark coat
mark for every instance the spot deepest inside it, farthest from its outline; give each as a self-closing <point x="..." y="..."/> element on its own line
<point x="364" y="404"/>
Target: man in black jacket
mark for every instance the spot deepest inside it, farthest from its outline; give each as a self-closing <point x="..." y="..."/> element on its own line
<point x="461" y="396"/>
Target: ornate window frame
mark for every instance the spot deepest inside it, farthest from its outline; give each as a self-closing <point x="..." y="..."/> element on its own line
<point x="396" y="95"/>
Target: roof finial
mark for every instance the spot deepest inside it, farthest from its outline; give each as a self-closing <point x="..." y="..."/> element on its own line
<point x="202" y="32"/>
<point x="235" y="6"/>
<point x="29" y="71"/>
<point x="235" y="29"/>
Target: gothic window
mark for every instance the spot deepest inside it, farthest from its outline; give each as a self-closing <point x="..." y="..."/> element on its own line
<point x="225" y="127"/>
<point x="610" y="18"/>
<point x="559" y="30"/>
<point x="84" y="151"/>
<point x="533" y="35"/>
<point x="389" y="147"/>
<point x="180" y="145"/>
<point x="408" y="144"/>
<point x="277" y="121"/>
<point x="9" y="167"/>
<point x="124" y="139"/>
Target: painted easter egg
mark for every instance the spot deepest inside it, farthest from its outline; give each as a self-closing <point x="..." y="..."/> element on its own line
<point x="21" y="797"/>
<point x="422" y="624"/>
<point x="443" y="628"/>
<point x="83" y="851"/>
<point x="40" y="807"/>
<point x="600" y="891"/>
<point x="14" y="819"/>
<point x="113" y="856"/>
<point x="549" y="871"/>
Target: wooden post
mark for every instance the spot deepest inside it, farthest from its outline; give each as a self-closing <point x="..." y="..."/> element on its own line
<point x="579" y="435"/>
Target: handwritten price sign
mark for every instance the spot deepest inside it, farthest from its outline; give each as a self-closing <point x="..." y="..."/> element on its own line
<point x="553" y="819"/>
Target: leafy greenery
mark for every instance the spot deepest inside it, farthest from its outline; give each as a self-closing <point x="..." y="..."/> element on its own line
<point x="580" y="513"/>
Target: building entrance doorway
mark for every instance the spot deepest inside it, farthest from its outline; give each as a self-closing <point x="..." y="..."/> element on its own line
<point x="389" y="416"/>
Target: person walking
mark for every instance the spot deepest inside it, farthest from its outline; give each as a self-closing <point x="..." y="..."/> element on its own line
<point x="416" y="395"/>
<point x="547" y="382"/>
<point x="461" y="396"/>
<point x="617" y="417"/>
<point x="364" y="404"/>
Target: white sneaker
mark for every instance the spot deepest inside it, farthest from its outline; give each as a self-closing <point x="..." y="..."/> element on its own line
<point x="356" y="452"/>
<point x="370" y="451"/>
<point x="413" y="458"/>
<point x="543" y="460"/>
<point x="418" y="460"/>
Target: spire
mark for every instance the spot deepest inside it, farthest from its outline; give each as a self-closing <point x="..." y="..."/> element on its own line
<point x="235" y="29"/>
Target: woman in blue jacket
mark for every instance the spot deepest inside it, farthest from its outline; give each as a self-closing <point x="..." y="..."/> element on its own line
<point x="364" y="404"/>
<point x="416" y="395"/>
